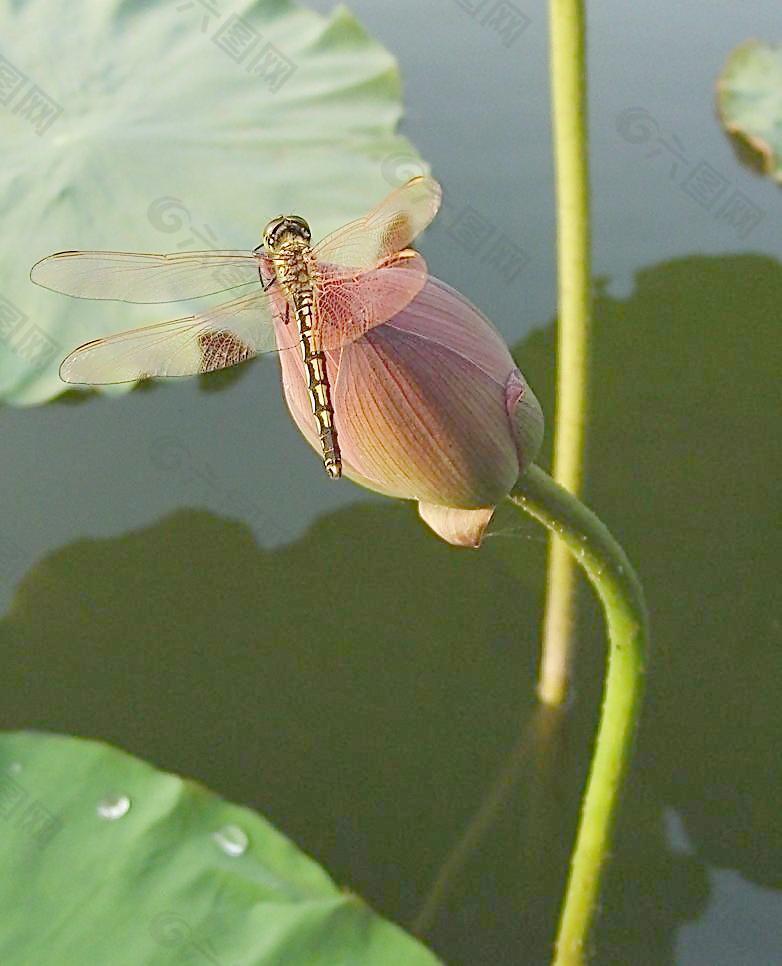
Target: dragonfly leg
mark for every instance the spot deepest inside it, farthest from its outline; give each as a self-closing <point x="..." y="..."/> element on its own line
<point x="266" y="285"/>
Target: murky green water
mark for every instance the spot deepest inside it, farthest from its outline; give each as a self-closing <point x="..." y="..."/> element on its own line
<point x="157" y="544"/>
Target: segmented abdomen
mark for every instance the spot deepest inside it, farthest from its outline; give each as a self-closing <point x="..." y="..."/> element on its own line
<point x="318" y="385"/>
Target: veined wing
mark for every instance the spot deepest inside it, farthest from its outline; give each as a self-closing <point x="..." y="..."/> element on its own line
<point x="215" y="339"/>
<point x="350" y="305"/>
<point x="134" y="277"/>
<point x="385" y="230"/>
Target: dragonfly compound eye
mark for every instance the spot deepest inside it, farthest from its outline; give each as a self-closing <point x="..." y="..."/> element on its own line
<point x="283" y="225"/>
<point x="271" y="230"/>
<point x="298" y="225"/>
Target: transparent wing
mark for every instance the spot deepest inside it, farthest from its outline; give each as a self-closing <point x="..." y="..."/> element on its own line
<point x="350" y="305"/>
<point x="215" y="339"/>
<point x="385" y="230"/>
<point x="133" y="277"/>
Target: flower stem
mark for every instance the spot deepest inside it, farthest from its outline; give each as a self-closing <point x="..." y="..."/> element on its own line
<point x="568" y="82"/>
<point x="621" y="595"/>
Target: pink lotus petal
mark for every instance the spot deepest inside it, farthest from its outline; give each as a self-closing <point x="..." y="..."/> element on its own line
<point x="463" y="528"/>
<point x="526" y="418"/>
<point x="428" y="406"/>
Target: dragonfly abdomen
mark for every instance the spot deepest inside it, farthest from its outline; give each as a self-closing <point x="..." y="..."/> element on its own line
<point x="319" y="390"/>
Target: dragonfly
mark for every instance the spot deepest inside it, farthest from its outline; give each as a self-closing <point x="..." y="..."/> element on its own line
<point x="334" y="292"/>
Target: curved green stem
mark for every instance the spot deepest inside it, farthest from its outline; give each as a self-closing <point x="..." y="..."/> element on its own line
<point x="568" y="82"/>
<point x="621" y="595"/>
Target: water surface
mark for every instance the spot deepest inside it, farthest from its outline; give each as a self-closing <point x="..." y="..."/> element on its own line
<point x="153" y="561"/>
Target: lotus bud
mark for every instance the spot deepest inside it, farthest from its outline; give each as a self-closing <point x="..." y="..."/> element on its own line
<point x="429" y="406"/>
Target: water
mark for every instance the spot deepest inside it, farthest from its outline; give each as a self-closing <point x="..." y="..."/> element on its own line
<point x="113" y="807"/>
<point x="232" y="840"/>
<point x="153" y="561"/>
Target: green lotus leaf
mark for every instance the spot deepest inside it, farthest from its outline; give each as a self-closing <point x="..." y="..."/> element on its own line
<point x="107" y="860"/>
<point x="749" y="96"/>
<point x="177" y="126"/>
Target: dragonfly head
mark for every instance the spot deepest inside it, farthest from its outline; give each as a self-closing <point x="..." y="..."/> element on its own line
<point x="283" y="229"/>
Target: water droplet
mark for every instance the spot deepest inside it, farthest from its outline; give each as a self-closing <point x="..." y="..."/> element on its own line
<point x="232" y="840"/>
<point x="113" y="806"/>
<point x="14" y="768"/>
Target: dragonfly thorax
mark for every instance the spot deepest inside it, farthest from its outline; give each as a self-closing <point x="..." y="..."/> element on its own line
<point x="283" y="230"/>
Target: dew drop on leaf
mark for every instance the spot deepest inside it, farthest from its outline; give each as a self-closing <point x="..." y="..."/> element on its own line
<point x="113" y="807"/>
<point x="232" y="840"/>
